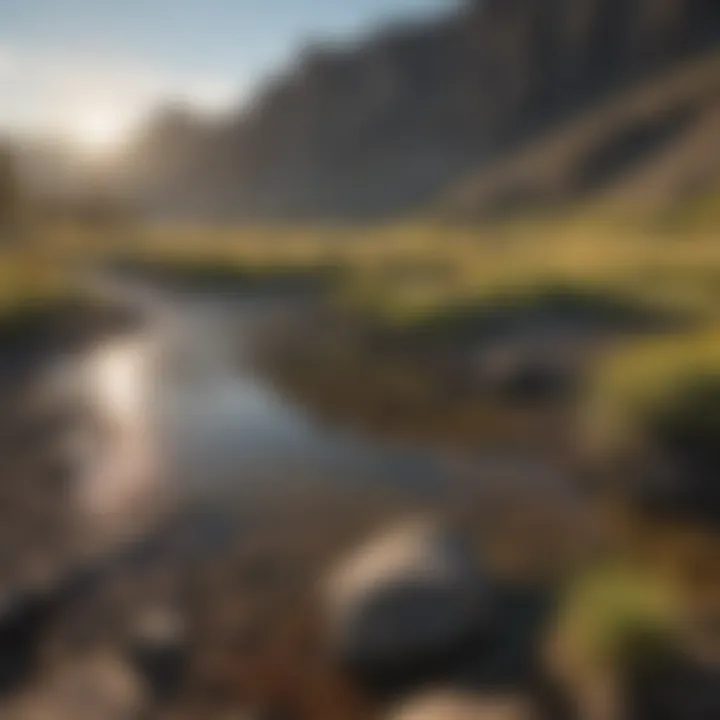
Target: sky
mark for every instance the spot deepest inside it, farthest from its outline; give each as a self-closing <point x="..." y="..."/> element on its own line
<point x="91" y="70"/>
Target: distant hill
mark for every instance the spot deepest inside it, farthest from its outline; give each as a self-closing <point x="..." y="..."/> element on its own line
<point x="499" y="105"/>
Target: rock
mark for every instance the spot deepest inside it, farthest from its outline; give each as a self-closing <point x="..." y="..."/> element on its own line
<point x="394" y="123"/>
<point x="23" y="620"/>
<point x="678" y="688"/>
<point x="525" y="373"/>
<point x="98" y="686"/>
<point x="453" y="705"/>
<point x="412" y="595"/>
<point x="159" y="649"/>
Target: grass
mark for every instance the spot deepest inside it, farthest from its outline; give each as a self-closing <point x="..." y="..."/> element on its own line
<point x="613" y="619"/>
<point x="413" y="274"/>
<point x="438" y="278"/>
<point x="453" y="280"/>
<point x="661" y="391"/>
<point x="30" y="286"/>
<point x="413" y="270"/>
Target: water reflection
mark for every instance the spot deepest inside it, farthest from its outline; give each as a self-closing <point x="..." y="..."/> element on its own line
<point x="186" y="415"/>
<point x="225" y="428"/>
<point x="117" y="380"/>
<point x="177" y="415"/>
<point x="117" y="376"/>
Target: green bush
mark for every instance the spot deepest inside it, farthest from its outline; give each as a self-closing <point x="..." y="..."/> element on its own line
<point x="663" y="394"/>
<point x="615" y="618"/>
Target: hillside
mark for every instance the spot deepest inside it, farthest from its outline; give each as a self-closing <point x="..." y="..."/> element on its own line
<point x="388" y="124"/>
<point x="644" y="149"/>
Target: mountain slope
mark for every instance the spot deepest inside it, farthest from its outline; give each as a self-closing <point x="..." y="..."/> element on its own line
<point x="650" y="146"/>
<point x="386" y="125"/>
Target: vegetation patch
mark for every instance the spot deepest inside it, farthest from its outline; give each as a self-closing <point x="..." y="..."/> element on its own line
<point x="655" y="421"/>
<point x="614" y="623"/>
<point x="664" y="391"/>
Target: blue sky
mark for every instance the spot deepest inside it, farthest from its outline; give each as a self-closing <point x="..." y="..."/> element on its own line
<point x="91" y="69"/>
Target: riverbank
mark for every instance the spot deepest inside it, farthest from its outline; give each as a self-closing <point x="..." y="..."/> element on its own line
<point x="42" y="423"/>
<point x="403" y="373"/>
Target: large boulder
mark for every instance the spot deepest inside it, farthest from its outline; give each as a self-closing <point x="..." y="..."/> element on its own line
<point x="98" y="686"/>
<point x="677" y="688"/>
<point x="453" y="705"/>
<point x="159" y="650"/>
<point x="24" y="617"/>
<point x="411" y="595"/>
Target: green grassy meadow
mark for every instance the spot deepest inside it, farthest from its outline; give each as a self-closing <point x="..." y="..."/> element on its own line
<point x="443" y="279"/>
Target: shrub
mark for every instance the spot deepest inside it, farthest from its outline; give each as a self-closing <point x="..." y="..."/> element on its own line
<point x="665" y="393"/>
<point x="615" y="618"/>
<point x="655" y="424"/>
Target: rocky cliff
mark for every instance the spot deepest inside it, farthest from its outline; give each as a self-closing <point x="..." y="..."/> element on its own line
<point x="390" y="123"/>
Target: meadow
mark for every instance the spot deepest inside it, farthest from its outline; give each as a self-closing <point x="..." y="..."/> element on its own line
<point x="656" y="281"/>
<point x="410" y="311"/>
<point x="436" y="280"/>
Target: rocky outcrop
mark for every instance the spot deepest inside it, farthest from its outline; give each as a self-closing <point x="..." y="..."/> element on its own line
<point x="159" y="649"/>
<point x="100" y="685"/>
<point x="388" y="124"/>
<point x="408" y="597"/>
<point x="455" y="705"/>
<point x="642" y="149"/>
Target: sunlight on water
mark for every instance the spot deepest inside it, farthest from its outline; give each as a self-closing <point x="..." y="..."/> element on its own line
<point x="118" y="378"/>
<point x="123" y="470"/>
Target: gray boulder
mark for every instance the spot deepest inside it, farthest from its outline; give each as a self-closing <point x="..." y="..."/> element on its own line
<point x="159" y="649"/>
<point x="98" y="686"/>
<point x="452" y="705"/>
<point x="414" y="593"/>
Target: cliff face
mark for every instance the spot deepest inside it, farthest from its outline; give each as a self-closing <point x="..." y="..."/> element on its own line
<point x="386" y="126"/>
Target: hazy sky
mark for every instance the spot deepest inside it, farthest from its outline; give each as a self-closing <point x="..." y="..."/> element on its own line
<point x="90" y="69"/>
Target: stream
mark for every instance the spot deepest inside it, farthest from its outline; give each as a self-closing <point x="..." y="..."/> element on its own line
<point x="185" y="390"/>
<point x="181" y="446"/>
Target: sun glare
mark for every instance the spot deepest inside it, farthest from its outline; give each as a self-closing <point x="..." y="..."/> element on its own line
<point x="100" y="132"/>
